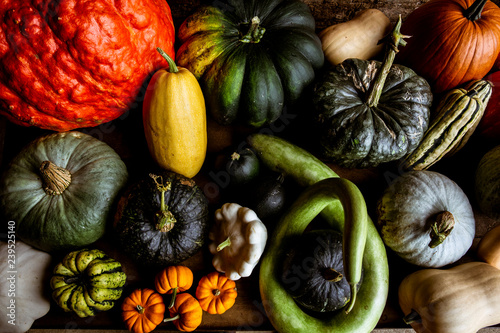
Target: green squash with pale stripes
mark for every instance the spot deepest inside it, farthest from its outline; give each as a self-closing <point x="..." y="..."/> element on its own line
<point x="455" y="119"/>
<point x="86" y="282"/>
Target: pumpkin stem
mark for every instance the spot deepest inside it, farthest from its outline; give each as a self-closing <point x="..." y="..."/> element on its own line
<point x="255" y="32"/>
<point x="332" y="275"/>
<point x="140" y="308"/>
<point x="441" y="228"/>
<point x="165" y="220"/>
<point x="393" y="40"/>
<point x="216" y="292"/>
<point x="224" y="244"/>
<point x="55" y="179"/>
<point x="177" y="316"/>
<point x="473" y="13"/>
<point x="172" y="300"/>
<point x="172" y="67"/>
<point x="412" y="317"/>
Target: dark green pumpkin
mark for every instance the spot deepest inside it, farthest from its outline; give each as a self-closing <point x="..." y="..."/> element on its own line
<point x="251" y="57"/>
<point x="369" y="112"/>
<point x="60" y="190"/>
<point x="86" y="282"/>
<point x="162" y="219"/>
<point x="313" y="272"/>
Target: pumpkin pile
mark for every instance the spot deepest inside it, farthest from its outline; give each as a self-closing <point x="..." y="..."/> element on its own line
<point x="307" y="161"/>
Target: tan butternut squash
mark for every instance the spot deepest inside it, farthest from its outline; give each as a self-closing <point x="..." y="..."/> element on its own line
<point x="356" y="38"/>
<point x="488" y="248"/>
<point x="462" y="299"/>
<point x="174" y="117"/>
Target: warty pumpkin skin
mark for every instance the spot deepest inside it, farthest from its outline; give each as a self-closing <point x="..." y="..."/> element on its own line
<point x="60" y="190"/>
<point x="251" y="57"/>
<point x="462" y="299"/>
<point x="162" y="219"/>
<point x="73" y="64"/>
<point x="451" y="44"/>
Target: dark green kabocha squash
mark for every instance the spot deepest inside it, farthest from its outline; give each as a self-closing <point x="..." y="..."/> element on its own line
<point x="313" y="272"/>
<point x="251" y="57"/>
<point x="162" y="219"/>
<point x="369" y="112"/>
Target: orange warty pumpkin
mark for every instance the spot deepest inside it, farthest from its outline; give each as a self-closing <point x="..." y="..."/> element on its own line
<point x="74" y="63"/>
<point x="143" y="310"/>
<point x="216" y="293"/>
<point x="452" y="41"/>
<point x="186" y="314"/>
<point x="173" y="280"/>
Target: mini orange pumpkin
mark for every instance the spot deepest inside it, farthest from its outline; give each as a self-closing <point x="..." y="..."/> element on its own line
<point x="143" y="310"/>
<point x="172" y="280"/>
<point x="216" y="293"/>
<point x="186" y="314"/>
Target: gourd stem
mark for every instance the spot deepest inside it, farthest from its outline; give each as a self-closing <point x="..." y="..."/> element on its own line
<point x="172" y="300"/>
<point x="172" y="67"/>
<point x="473" y="13"/>
<point x="165" y="220"/>
<point x="412" y="317"/>
<point x="441" y="228"/>
<point x="54" y="178"/>
<point x="140" y="309"/>
<point x="393" y="40"/>
<point x="224" y="244"/>
<point x="177" y="316"/>
<point x="255" y="32"/>
<point x="216" y="292"/>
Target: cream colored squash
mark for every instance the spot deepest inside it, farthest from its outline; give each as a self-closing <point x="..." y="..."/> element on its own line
<point x="356" y="38"/>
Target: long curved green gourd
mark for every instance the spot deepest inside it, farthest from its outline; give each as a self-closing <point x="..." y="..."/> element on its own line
<point x="284" y="314"/>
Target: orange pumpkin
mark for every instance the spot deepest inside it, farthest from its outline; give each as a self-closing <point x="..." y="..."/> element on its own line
<point x="216" y="293"/>
<point x="186" y="314"/>
<point x="172" y="280"/>
<point x="452" y="41"/>
<point x="143" y="310"/>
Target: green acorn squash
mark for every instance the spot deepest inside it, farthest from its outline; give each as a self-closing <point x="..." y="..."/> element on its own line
<point x="251" y="57"/>
<point x="86" y="282"/>
<point x="60" y="190"/>
<point x="368" y="112"/>
<point x="162" y="219"/>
